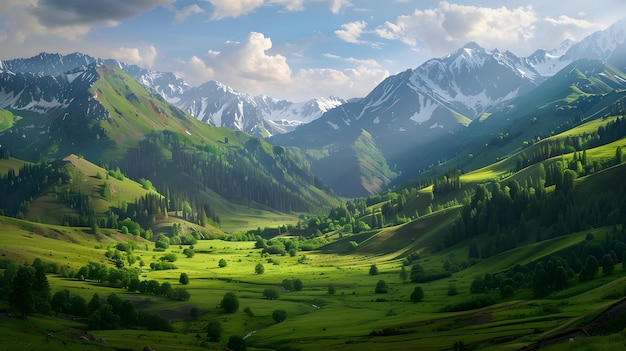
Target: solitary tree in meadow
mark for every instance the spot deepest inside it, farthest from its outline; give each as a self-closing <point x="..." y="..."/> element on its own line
<point x="418" y="294"/>
<point x="279" y="315"/>
<point x="230" y="302"/>
<point x="297" y="284"/>
<point x="270" y="294"/>
<point x="184" y="279"/>
<point x="259" y="269"/>
<point x="214" y="331"/>
<point x="607" y="264"/>
<point x="288" y="284"/>
<point x="381" y="287"/>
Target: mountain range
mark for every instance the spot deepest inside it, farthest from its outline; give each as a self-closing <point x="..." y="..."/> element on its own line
<point x="211" y="102"/>
<point x="405" y="128"/>
<point x="423" y="117"/>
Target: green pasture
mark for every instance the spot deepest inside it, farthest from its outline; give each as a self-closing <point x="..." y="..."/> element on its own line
<point x="315" y="319"/>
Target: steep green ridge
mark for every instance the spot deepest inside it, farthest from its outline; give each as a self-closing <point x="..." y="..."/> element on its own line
<point x="148" y="138"/>
<point x="354" y="165"/>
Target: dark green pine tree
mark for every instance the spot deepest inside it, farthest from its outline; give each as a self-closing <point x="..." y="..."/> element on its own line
<point x="522" y="229"/>
<point x="473" y="250"/>
<point x="22" y="296"/>
<point x="41" y="288"/>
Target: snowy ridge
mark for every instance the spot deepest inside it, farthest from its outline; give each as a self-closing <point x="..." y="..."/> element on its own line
<point x="600" y="45"/>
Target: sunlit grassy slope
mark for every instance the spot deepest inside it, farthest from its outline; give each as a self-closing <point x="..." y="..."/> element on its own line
<point x="11" y="163"/>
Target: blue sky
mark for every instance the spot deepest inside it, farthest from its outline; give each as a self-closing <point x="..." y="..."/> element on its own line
<point x="292" y="49"/>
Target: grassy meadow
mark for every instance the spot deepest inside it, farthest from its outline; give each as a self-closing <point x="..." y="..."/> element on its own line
<point x="316" y="319"/>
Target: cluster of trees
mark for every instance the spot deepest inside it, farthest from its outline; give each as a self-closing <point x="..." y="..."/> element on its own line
<point x="189" y="205"/>
<point x="25" y="288"/>
<point x="504" y="210"/>
<point x="309" y="232"/>
<point x="420" y="275"/>
<point x="153" y="287"/>
<point x="19" y="188"/>
<point x="292" y="284"/>
<point x="79" y="202"/>
<point x="449" y="182"/>
<point x="27" y="291"/>
<point x="281" y="246"/>
<point x="107" y="314"/>
<point x="545" y="149"/>
<point x="583" y="262"/>
<point x="110" y="276"/>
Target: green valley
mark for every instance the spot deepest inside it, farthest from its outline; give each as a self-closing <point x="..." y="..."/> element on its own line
<point x="476" y="202"/>
<point x="461" y="241"/>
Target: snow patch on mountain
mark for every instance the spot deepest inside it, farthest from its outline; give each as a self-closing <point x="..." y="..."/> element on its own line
<point x="426" y="111"/>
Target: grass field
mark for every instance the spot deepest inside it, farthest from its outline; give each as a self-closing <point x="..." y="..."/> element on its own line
<point x="315" y="319"/>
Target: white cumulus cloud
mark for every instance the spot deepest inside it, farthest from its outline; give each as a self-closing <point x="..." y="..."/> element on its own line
<point x="247" y="66"/>
<point x="351" y="32"/>
<point x="347" y="83"/>
<point x="449" y="26"/>
<point x="233" y="8"/>
<point x="184" y="13"/>
<point x="141" y="57"/>
<point x="242" y="64"/>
